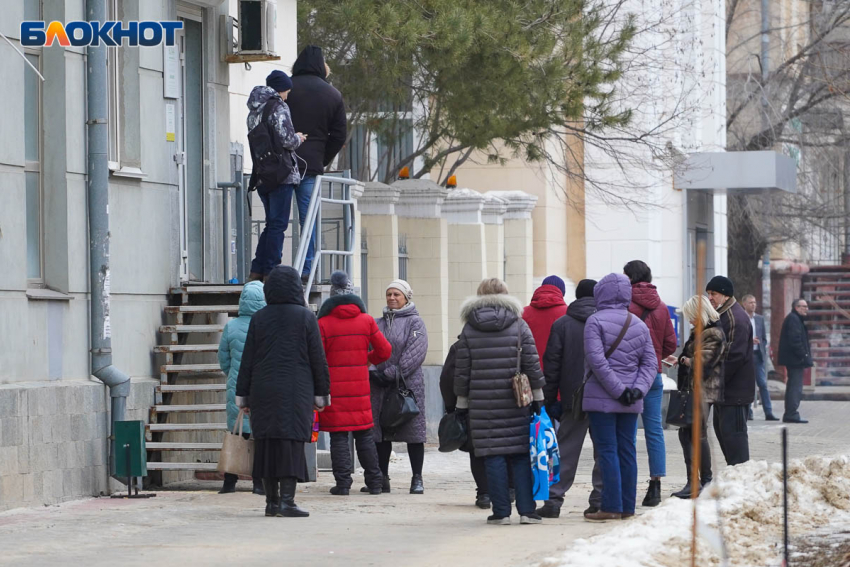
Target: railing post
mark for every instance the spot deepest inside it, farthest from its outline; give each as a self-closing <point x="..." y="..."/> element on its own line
<point x="225" y="211"/>
<point x="347" y="227"/>
<point x="240" y="234"/>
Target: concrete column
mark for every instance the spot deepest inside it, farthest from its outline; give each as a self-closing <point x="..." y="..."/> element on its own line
<point x="356" y="194"/>
<point x="420" y="211"/>
<point x="380" y="228"/>
<point x="468" y="244"/>
<point x="493" y="217"/>
<point x="519" y="243"/>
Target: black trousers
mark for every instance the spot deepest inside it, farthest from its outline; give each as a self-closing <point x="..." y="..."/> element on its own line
<point x="793" y="392"/>
<point x="479" y="473"/>
<point x="685" y="439"/>
<point x="730" y="426"/>
<point x="364" y="444"/>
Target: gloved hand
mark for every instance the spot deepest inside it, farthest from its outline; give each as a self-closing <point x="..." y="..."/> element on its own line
<point x="626" y="398"/>
<point x="376" y="377"/>
<point x="535" y="407"/>
<point x="636" y="395"/>
<point x="555" y="410"/>
<point x="462" y="412"/>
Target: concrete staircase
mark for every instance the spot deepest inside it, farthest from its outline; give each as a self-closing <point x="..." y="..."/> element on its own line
<point x="827" y="290"/>
<point x="188" y="419"/>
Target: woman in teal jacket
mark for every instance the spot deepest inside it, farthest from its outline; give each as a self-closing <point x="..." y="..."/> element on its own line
<point x="230" y="358"/>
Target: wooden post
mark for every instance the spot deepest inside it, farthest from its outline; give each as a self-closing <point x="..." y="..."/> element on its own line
<point x="696" y="427"/>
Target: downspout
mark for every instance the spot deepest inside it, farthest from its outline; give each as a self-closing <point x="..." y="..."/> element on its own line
<point x="98" y="201"/>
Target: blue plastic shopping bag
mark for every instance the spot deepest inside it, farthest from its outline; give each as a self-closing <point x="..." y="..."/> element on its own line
<point x="545" y="460"/>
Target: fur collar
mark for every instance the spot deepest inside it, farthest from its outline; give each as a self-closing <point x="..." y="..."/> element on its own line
<point x="476" y="302"/>
<point x="335" y="301"/>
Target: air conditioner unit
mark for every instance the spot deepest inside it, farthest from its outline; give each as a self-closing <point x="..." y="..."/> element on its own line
<point x="254" y="32"/>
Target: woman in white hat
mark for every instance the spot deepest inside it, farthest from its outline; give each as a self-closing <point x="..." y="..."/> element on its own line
<point x="405" y="330"/>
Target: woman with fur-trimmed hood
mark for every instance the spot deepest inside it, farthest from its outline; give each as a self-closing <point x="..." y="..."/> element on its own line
<point x="486" y="362"/>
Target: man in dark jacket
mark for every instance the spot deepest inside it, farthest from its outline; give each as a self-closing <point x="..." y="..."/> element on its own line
<point x="795" y="355"/>
<point x="318" y="112"/>
<point x="563" y="367"/>
<point x="730" y="415"/>
<point x="760" y="357"/>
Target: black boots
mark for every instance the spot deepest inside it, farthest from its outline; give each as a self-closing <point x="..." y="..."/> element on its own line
<point x="258" y="487"/>
<point x="416" y="486"/>
<point x="550" y="509"/>
<point x="288" y="507"/>
<point x="483" y="501"/>
<point x="653" y="494"/>
<point x="385" y="487"/>
<point x="270" y="485"/>
<point x="229" y="485"/>
<point x="685" y="493"/>
<point x="340" y="490"/>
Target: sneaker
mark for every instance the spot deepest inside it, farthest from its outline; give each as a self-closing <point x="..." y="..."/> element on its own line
<point x="530" y="519"/>
<point x="600" y="516"/>
<point x="549" y="510"/>
<point x="483" y="501"/>
<point x="495" y="520"/>
<point x="339" y="491"/>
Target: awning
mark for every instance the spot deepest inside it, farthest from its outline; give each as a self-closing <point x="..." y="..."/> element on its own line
<point x="749" y="172"/>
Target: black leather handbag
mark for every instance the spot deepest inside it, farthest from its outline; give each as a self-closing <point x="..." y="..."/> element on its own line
<point x="452" y="432"/>
<point x="680" y="411"/>
<point x="399" y="405"/>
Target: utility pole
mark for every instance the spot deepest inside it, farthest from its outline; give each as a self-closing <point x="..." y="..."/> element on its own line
<point x="765" y="73"/>
<point x="845" y="259"/>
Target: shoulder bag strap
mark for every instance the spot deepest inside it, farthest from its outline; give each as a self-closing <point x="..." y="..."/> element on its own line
<point x="644" y="315"/>
<point x="518" y="348"/>
<point x="614" y="345"/>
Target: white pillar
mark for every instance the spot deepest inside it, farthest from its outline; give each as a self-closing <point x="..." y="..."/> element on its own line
<point x="519" y="243"/>
<point x="468" y="250"/>
<point x="493" y="216"/>
<point x="380" y="227"/>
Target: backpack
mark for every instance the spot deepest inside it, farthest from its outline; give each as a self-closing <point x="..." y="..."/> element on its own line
<point x="272" y="162"/>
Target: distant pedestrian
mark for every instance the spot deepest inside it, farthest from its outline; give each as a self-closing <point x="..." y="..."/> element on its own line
<point x="547" y="306"/>
<point x="493" y="343"/>
<point x="795" y="354"/>
<point x="713" y="381"/>
<point x="619" y="353"/>
<point x="760" y="357"/>
<point x="272" y="145"/>
<point x="282" y="380"/>
<point x="230" y="351"/>
<point x="319" y="111"/>
<point x="348" y="332"/>
<point x="476" y="464"/>
<point x="564" y="371"/>
<point x="647" y="304"/>
<point x="405" y="330"/>
<point x="730" y="415"/>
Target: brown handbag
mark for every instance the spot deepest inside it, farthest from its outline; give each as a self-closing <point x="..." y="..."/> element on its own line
<point x="520" y="383"/>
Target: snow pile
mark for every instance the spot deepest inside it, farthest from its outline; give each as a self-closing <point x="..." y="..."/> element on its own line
<point x="744" y="503"/>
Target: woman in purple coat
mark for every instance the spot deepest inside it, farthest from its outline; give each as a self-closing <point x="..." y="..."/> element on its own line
<point x="613" y="395"/>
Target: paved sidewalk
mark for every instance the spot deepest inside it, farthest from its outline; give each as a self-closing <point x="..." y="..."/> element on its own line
<point x="442" y="527"/>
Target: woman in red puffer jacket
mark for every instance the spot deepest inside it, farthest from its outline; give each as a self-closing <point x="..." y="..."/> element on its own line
<point x="547" y="306"/>
<point x="347" y="333"/>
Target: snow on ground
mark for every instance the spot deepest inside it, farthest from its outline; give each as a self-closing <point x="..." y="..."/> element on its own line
<point x="743" y="502"/>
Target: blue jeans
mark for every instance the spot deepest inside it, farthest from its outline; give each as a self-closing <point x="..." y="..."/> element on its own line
<point x="278" y="205"/>
<point x="653" y="429"/>
<point x="614" y="439"/>
<point x="303" y="194"/>
<point x="497" y="483"/>
<point x="761" y="381"/>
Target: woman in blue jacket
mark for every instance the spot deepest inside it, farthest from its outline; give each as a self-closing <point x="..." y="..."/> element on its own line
<point x="230" y="358"/>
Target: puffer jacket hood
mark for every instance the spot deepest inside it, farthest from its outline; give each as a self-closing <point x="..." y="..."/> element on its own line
<point x="582" y="309"/>
<point x="345" y="306"/>
<point x="310" y="61"/>
<point x="283" y="285"/>
<point x="547" y="296"/>
<point x="252" y="299"/>
<point x="646" y="295"/>
<point x="613" y="292"/>
<point x="490" y="312"/>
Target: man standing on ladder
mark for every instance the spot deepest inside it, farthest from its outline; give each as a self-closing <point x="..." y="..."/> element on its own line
<point x="319" y="112"/>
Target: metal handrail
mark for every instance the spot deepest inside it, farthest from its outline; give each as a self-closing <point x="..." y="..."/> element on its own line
<point x="314" y="218"/>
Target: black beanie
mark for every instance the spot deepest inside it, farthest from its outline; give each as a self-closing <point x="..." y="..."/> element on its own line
<point x="585" y="288"/>
<point x="279" y="81"/>
<point x="722" y="285"/>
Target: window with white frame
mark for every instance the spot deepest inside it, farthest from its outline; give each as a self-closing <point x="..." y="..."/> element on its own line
<point x="32" y="166"/>
<point x="113" y="66"/>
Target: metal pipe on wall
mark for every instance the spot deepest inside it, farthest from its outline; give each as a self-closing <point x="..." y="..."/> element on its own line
<point x="98" y="217"/>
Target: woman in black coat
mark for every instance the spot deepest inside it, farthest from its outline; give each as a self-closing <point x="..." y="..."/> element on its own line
<point x="283" y="378"/>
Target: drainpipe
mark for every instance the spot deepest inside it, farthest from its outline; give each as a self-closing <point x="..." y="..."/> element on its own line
<point x="98" y="201"/>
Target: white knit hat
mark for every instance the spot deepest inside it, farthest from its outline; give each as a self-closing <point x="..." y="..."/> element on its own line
<point x="403" y="287"/>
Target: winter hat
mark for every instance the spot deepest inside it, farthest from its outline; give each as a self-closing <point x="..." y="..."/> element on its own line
<point x="403" y="287"/>
<point x="557" y="282"/>
<point x="341" y="284"/>
<point x="585" y="288"/>
<point x="279" y="81"/>
<point x="722" y="285"/>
